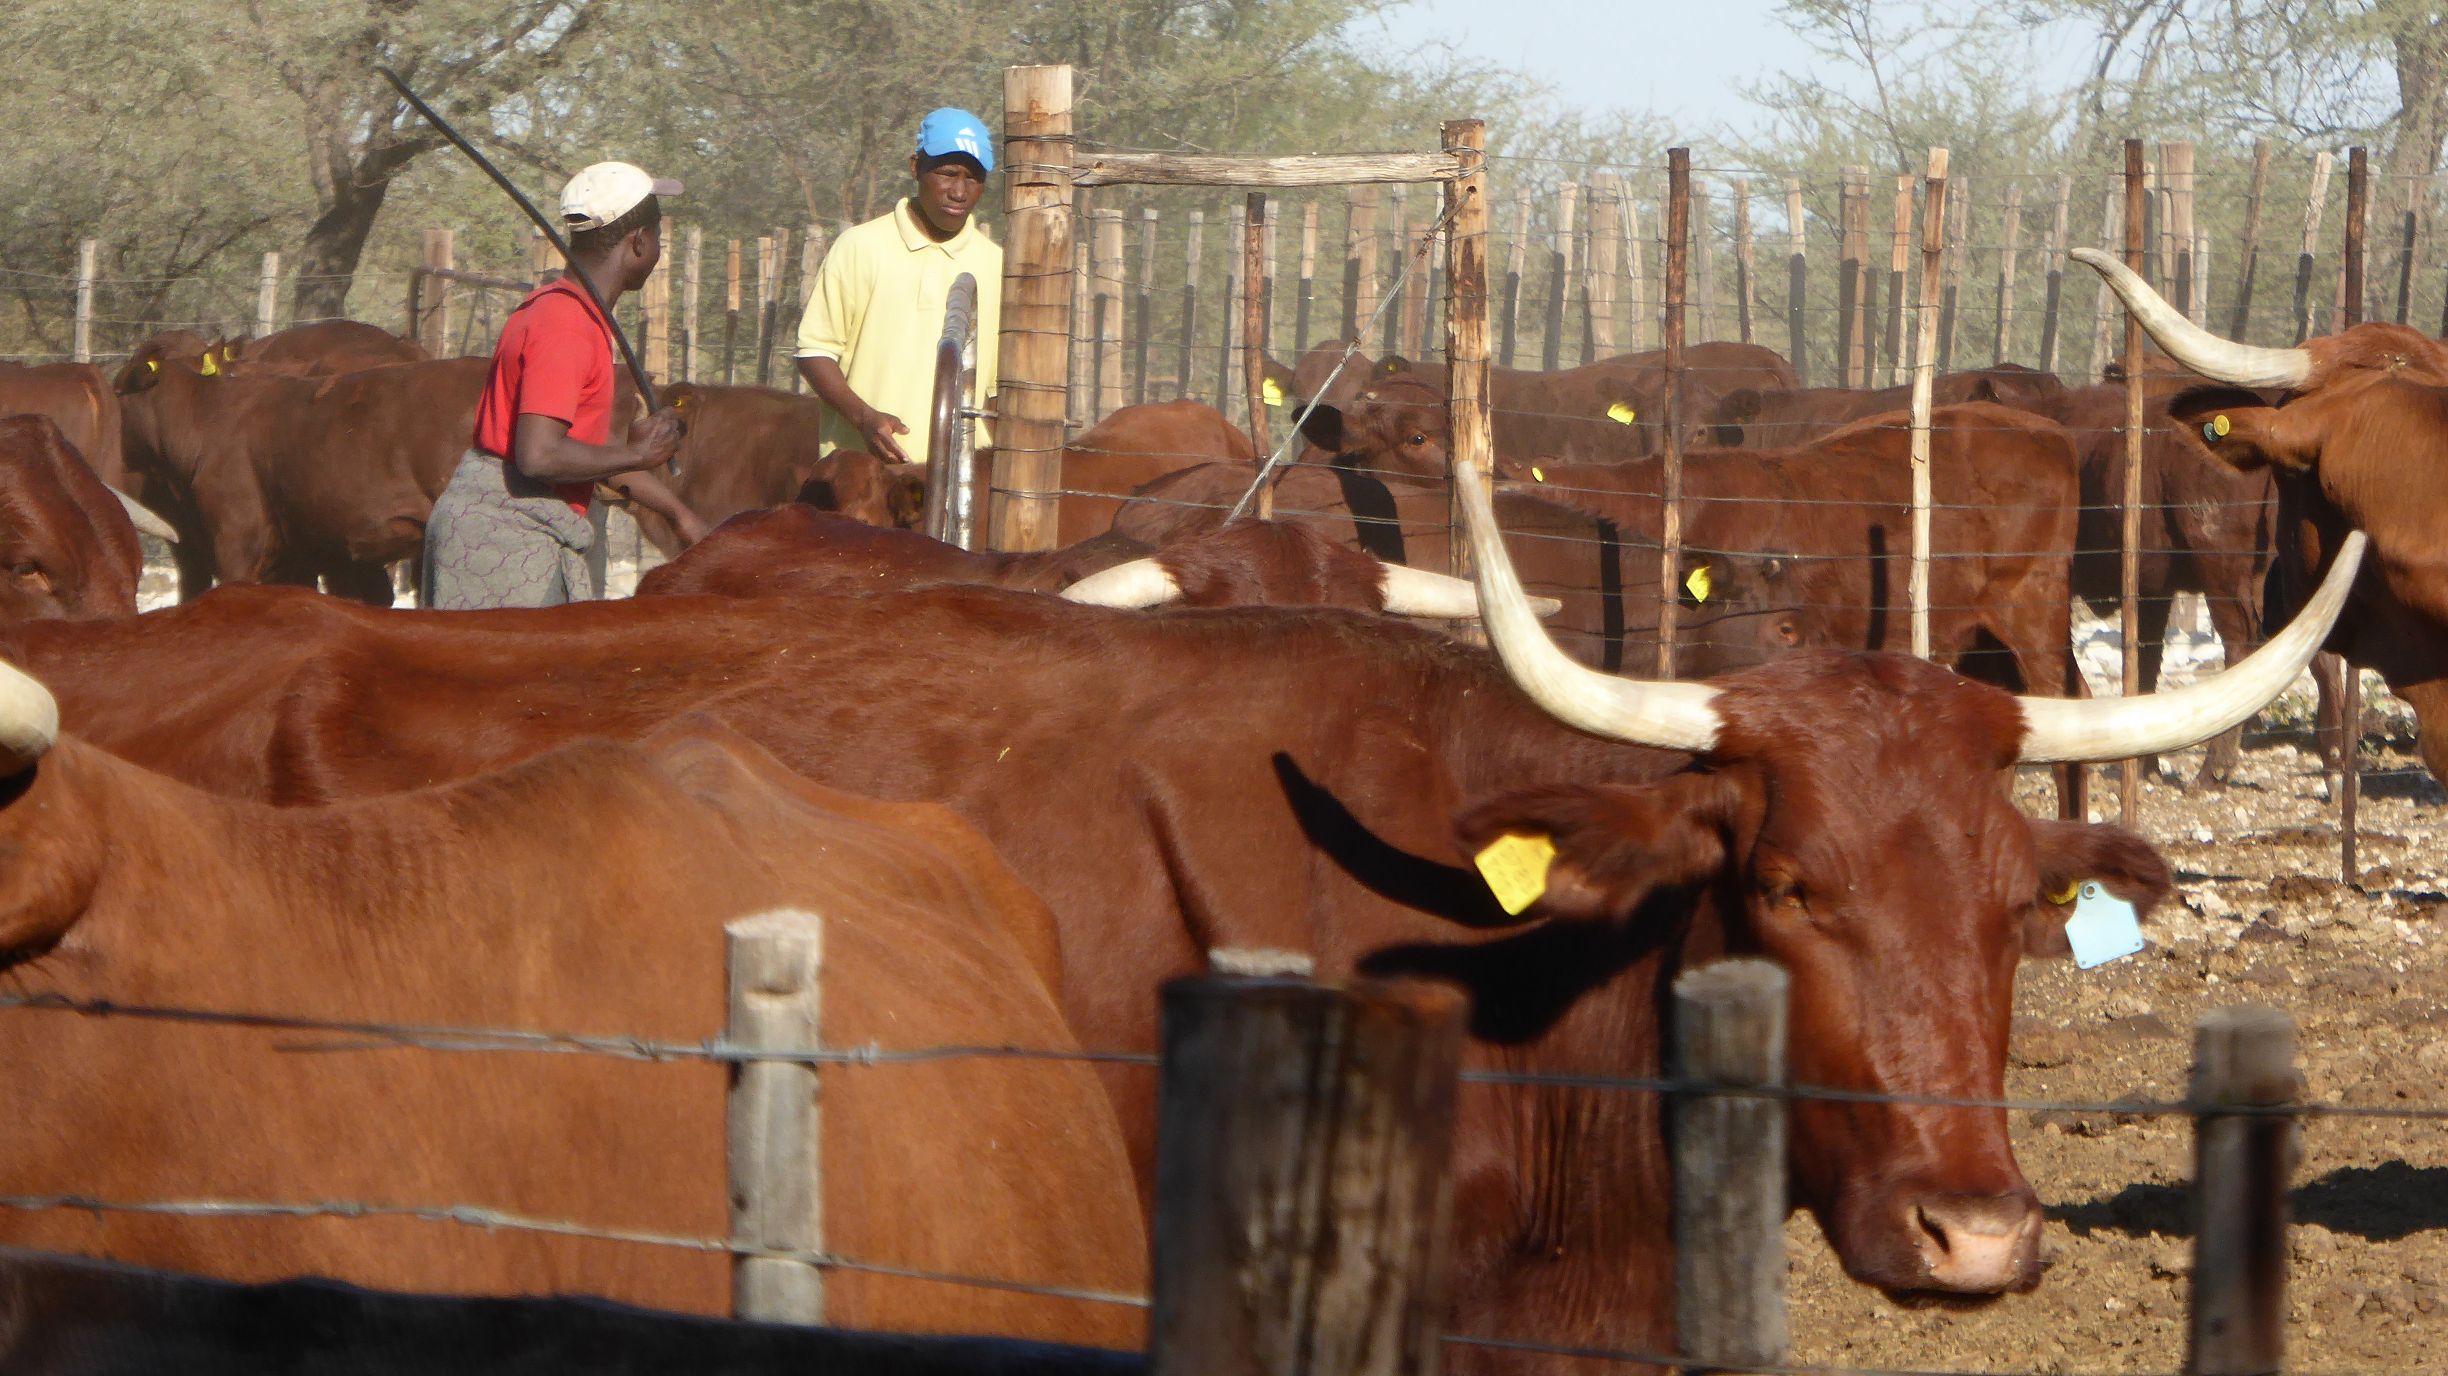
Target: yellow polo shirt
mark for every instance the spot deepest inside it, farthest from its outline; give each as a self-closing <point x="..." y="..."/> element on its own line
<point x="878" y="309"/>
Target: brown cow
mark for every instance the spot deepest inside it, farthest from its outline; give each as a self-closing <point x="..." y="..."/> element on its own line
<point x="1766" y="418"/>
<point x="325" y="348"/>
<point x="79" y="400"/>
<point x="1840" y="812"/>
<point x="1604" y="580"/>
<point x="1614" y="407"/>
<point x="2354" y="443"/>
<point x="1105" y="463"/>
<point x="484" y="905"/>
<point x="67" y="545"/>
<point x="799" y="551"/>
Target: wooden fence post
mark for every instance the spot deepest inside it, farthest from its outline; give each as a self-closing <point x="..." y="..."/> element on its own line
<point x="2409" y="239"/>
<point x="1432" y="260"/>
<point x="1253" y="335"/>
<point x="1143" y="306"/>
<point x="1105" y="284"/>
<point x="2112" y="220"/>
<point x="811" y="263"/>
<point x="776" y="963"/>
<point x="435" y="330"/>
<point x="2248" y="267"/>
<point x="1958" y="232"/>
<point x="1266" y="278"/>
<point x="267" y="296"/>
<point x="81" y="340"/>
<point x="2243" y="1058"/>
<point x="692" y="357"/>
<point x="1467" y="375"/>
<point x="1670" y="546"/>
<point x="2316" y="200"/>
<point x="1036" y="329"/>
<point x="657" y="299"/>
<point x="2129" y="621"/>
<point x="1308" y="279"/>
<point x="1303" y="1180"/>
<point x="2008" y="252"/>
<point x="1852" y="310"/>
<point x="1899" y="262"/>
<point x="1924" y="374"/>
<point x="770" y="248"/>
<point x="1359" y="260"/>
<point x="2350" y="711"/>
<point x="1704" y="242"/>
<point x="1513" y="275"/>
<point x="2176" y="171"/>
<point x="1797" y="281"/>
<point x="1559" y="271"/>
<point x="1636" y="273"/>
<point x="1730" y="1166"/>
<point x="1396" y="230"/>
<point x="1602" y="261"/>
<point x="2056" y="275"/>
<point x="1742" y="260"/>
<point x="1236" y="291"/>
<point x="1189" y="307"/>
<point x="731" y="311"/>
<point x="1080" y="409"/>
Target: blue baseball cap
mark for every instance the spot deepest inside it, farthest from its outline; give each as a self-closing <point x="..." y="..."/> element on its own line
<point x="947" y="131"/>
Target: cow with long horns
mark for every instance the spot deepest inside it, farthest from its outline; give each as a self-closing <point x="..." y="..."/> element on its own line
<point x="2359" y="442"/>
<point x="1320" y="781"/>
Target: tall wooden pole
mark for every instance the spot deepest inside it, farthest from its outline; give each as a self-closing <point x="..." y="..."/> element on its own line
<point x="657" y="299"/>
<point x="2112" y="219"/>
<point x="1308" y="278"/>
<point x="1105" y="282"/>
<point x="2248" y="266"/>
<point x="731" y="311"/>
<point x="1852" y="323"/>
<point x="2008" y="253"/>
<point x="1467" y="375"/>
<point x="1605" y="248"/>
<point x="1950" y="293"/>
<point x="2350" y="711"/>
<point x="1559" y="272"/>
<point x="2315" y="201"/>
<point x="1396" y="228"/>
<point x="1636" y="277"/>
<point x="692" y="351"/>
<point x="1253" y="335"/>
<point x="1182" y="364"/>
<point x="2056" y="275"/>
<point x="1899" y="262"/>
<point x="2176" y="170"/>
<point x="1797" y="282"/>
<point x="1742" y="260"/>
<point x="1670" y="551"/>
<point x="267" y="295"/>
<point x="1236" y="298"/>
<point x="1515" y="254"/>
<point x="1924" y="374"/>
<point x="1361" y="262"/>
<point x="2409" y="239"/>
<point x="1143" y="307"/>
<point x="80" y="343"/>
<point x="1036" y="334"/>
<point x="1704" y="258"/>
<point x="2129" y="772"/>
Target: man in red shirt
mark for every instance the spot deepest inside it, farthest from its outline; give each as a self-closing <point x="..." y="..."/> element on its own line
<point x="512" y="529"/>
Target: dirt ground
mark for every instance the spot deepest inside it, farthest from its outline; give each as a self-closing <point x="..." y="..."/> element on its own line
<point x="2258" y="917"/>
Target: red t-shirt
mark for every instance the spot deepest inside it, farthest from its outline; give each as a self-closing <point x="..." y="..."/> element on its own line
<point x="554" y="359"/>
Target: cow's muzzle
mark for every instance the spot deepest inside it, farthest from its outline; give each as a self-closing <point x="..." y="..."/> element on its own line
<point x="1977" y="1244"/>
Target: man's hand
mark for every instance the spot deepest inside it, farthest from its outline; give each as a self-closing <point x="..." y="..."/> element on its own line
<point x="656" y="439"/>
<point x="878" y="429"/>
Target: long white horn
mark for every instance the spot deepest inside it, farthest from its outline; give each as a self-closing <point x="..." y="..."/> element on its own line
<point x="1139" y="583"/>
<point x="1418" y="592"/>
<point x="2121" y="728"/>
<point x="144" y="517"/>
<point x="29" y="720"/>
<point x="2221" y="360"/>
<point x="1671" y="716"/>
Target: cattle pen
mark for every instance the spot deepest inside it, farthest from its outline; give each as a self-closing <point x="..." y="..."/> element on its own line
<point x="1581" y="279"/>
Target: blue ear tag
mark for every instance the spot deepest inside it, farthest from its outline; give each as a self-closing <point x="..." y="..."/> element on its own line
<point x="2103" y="927"/>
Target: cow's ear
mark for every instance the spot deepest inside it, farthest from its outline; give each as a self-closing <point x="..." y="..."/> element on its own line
<point x="1323" y="427"/>
<point x="2073" y="852"/>
<point x="1593" y="853"/>
<point x="1737" y="406"/>
<point x="2246" y="432"/>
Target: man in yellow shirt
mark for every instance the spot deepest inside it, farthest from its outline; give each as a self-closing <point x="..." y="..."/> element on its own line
<point x="867" y="341"/>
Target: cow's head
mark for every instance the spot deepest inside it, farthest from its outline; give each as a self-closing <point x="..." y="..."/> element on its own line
<point x="180" y="348"/>
<point x="1392" y="428"/>
<point x="67" y="541"/>
<point x="1844" y="815"/>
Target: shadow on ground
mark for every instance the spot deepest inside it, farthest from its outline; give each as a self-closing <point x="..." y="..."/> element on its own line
<point x="2378" y="1203"/>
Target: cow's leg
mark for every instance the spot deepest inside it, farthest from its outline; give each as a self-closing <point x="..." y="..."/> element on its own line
<point x="2151" y="614"/>
<point x="2231" y="615"/>
<point x="367" y="583"/>
<point x="2331" y="681"/>
<point x="2429" y="700"/>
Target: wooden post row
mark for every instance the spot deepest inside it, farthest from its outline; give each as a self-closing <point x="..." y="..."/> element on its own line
<point x="1036" y="332"/>
<point x="776" y="963"/>
<point x="1730" y="1165"/>
<point x="1303" y="1179"/>
<point x="2129" y="621"/>
<point x="1926" y="345"/>
<point x="1670" y="546"/>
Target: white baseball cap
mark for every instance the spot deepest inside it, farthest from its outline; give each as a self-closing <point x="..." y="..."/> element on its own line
<point x="600" y="194"/>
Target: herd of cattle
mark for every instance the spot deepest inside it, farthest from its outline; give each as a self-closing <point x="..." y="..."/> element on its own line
<point x="1019" y="813"/>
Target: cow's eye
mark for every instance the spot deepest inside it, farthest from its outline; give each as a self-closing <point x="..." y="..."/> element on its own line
<point x="1419" y="439"/>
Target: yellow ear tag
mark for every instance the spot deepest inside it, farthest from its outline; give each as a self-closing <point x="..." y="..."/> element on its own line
<point x="152" y="365"/>
<point x="1270" y="393"/>
<point x="2072" y="888"/>
<point x="1622" y="414"/>
<point x="1537" y="474"/>
<point x="1699" y="582"/>
<point x="2220" y="425"/>
<point x="209" y="369"/>
<point x="1515" y="868"/>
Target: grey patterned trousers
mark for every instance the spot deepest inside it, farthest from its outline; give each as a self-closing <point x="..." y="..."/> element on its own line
<point x="498" y="538"/>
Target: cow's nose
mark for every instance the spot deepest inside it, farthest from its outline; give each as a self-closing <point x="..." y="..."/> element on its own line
<point x="1978" y="1243"/>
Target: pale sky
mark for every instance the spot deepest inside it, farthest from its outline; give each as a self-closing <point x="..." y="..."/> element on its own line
<point x="1682" y="59"/>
